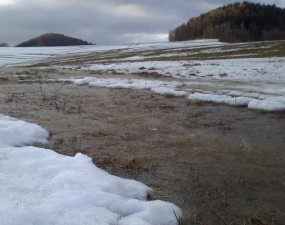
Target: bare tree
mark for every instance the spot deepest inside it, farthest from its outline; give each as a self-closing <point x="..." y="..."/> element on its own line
<point x="171" y="36"/>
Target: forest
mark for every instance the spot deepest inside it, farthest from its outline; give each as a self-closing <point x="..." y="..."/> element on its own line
<point x="53" y="39"/>
<point x="238" y="22"/>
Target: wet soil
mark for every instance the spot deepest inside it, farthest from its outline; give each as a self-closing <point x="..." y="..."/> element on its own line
<point x="219" y="164"/>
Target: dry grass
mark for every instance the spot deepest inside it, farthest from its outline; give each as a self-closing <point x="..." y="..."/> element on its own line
<point x="97" y="133"/>
<point x="151" y="74"/>
<point x="131" y="165"/>
<point x="134" y="164"/>
<point x="4" y="80"/>
<point x="197" y="114"/>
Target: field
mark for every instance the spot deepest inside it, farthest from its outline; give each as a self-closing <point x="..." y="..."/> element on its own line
<point x="201" y="123"/>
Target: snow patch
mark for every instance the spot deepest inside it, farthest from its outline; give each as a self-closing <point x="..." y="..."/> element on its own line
<point x="270" y="104"/>
<point x="14" y="132"/>
<point x="40" y="186"/>
<point x="239" y="101"/>
<point x="139" y="84"/>
<point x="208" y="97"/>
<point x="169" y="92"/>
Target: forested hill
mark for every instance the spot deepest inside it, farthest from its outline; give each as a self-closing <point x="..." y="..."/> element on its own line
<point x="52" y="39"/>
<point x="238" y="22"/>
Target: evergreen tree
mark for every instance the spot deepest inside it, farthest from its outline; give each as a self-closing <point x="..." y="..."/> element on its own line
<point x="236" y="22"/>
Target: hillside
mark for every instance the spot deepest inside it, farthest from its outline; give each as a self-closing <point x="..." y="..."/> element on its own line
<point x="238" y="22"/>
<point x="217" y="145"/>
<point x="52" y="39"/>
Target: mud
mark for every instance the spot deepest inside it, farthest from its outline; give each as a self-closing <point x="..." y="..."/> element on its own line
<point x="219" y="164"/>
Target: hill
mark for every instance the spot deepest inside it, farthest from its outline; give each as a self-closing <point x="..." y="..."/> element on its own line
<point x="238" y="22"/>
<point x="52" y="39"/>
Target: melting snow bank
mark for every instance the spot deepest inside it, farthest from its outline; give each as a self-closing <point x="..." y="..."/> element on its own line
<point x="252" y="100"/>
<point x="123" y="83"/>
<point x="169" y="92"/>
<point x="14" y="132"/>
<point x="271" y="104"/>
<point x="157" y="86"/>
<point x="40" y="186"/>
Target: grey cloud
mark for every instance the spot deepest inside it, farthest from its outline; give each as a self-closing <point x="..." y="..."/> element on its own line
<point x="101" y="21"/>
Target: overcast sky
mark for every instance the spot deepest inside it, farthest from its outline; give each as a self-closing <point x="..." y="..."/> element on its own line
<point x="101" y="21"/>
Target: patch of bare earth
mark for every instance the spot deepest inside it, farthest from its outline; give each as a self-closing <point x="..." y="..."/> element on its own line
<point x="219" y="164"/>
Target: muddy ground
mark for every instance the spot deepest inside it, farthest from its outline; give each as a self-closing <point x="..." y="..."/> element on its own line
<point x="219" y="164"/>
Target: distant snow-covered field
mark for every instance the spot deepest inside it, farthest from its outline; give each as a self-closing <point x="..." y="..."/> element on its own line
<point x="25" y="56"/>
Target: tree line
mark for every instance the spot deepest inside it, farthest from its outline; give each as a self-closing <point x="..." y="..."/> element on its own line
<point x="238" y="22"/>
<point x="4" y="44"/>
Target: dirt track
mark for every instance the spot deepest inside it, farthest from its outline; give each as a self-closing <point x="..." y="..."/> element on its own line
<point x="206" y="158"/>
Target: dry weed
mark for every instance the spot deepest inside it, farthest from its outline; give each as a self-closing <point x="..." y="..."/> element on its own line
<point x="255" y="220"/>
<point x="97" y="133"/>
<point x="133" y="163"/>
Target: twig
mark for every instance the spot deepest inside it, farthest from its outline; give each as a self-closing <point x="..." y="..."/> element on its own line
<point x="182" y="115"/>
<point x="59" y="88"/>
<point x="178" y="219"/>
<point x="56" y="106"/>
<point x="214" y="213"/>
<point x="280" y="184"/>
<point x="43" y="94"/>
